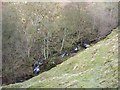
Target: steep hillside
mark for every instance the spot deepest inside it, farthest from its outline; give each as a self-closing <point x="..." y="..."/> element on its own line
<point x="43" y="31"/>
<point x="96" y="66"/>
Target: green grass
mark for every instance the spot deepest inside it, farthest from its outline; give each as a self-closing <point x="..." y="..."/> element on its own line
<point x="95" y="67"/>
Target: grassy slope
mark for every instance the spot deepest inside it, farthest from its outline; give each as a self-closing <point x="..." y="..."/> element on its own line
<point x="96" y="66"/>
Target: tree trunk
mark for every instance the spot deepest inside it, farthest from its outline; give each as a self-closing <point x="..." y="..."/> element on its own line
<point x="63" y="40"/>
<point x="79" y="21"/>
<point x="47" y="45"/>
<point x="44" y="48"/>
